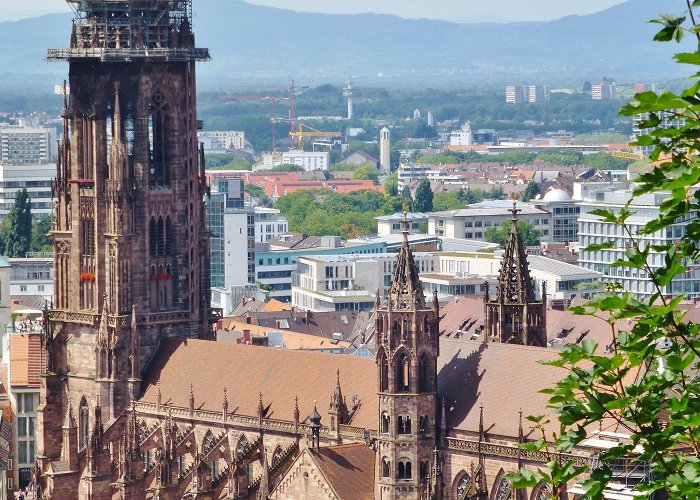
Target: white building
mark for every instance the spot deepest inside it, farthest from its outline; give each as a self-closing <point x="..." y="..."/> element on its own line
<point x="463" y="136"/>
<point x="409" y="173"/>
<point x="36" y="178"/>
<point x="269" y="224"/>
<point x="603" y="91"/>
<point x="668" y="120"/>
<point x="347" y="282"/>
<point x="515" y="94"/>
<point x="31" y="276"/>
<point x="563" y="280"/>
<point x="644" y="209"/>
<point x="473" y="222"/>
<point x="538" y="93"/>
<point x="385" y="151"/>
<point x="27" y="145"/>
<point x="391" y="224"/>
<point x="221" y="140"/>
<point x="565" y="214"/>
<point x="308" y="160"/>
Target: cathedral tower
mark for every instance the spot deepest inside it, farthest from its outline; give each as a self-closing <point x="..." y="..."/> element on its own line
<point x="514" y="316"/>
<point x="130" y="242"/>
<point x="407" y="337"/>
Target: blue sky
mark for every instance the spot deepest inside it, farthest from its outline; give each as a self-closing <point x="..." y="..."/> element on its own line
<point x="453" y="10"/>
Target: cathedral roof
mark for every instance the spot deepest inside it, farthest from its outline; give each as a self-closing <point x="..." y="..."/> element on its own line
<point x="504" y="378"/>
<point x="349" y="470"/>
<point x="246" y="371"/>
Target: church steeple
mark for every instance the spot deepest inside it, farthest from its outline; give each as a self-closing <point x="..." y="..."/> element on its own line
<point x="407" y="338"/>
<point x="515" y="316"/>
<point x="406" y="290"/>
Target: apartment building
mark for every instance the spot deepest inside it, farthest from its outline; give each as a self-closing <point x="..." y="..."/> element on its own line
<point x="27" y="145"/>
<point x="36" y="178"/>
<point x="603" y="91"/>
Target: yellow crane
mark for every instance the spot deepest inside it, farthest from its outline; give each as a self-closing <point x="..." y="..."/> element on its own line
<point x="300" y="134"/>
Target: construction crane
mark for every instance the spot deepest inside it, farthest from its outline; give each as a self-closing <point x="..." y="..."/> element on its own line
<point x="273" y="101"/>
<point x="300" y="134"/>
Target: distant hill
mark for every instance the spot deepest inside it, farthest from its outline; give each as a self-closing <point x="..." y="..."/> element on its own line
<point x="250" y="42"/>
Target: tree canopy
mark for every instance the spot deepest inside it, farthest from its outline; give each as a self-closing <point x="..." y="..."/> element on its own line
<point x="16" y="229"/>
<point x="423" y="201"/>
<point x="529" y="234"/>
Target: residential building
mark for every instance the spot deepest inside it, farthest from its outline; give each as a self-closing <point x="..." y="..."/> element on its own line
<point x="538" y="93"/>
<point x="30" y="276"/>
<point x="644" y="208"/>
<point x="347" y="282"/>
<point x="23" y="360"/>
<point x="412" y="173"/>
<point x="463" y="136"/>
<point x="27" y="145"/>
<point x="391" y="224"/>
<point x="385" y="151"/>
<point x="515" y="94"/>
<point x="645" y="87"/>
<point x="360" y="158"/>
<point x="36" y="178"/>
<point x="308" y="160"/>
<point x="277" y="259"/>
<point x="603" y="91"/>
<point x="222" y="141"/>
<point x="473" y="222"/>
<point x="485" y="136"/>
<point x="269" y="224"/>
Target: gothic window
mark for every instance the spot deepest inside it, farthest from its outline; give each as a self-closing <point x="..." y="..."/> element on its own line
<point x="542" y="491"/>
<point x="396" y="329"/>
<point x="403" y="374"/>
<point x="504" y="491"/>
<point x="386" y="422"/>
<point x="158" y="135"/>
<point x="153" y="238"/>
<point x="277" y="455"/>
<point x="423" y="424"/>
<point x="88" y="237"/>
<point x="463" y="485"/>
<point x="180" y="465"/>
<point x="404" y="469"/>
<point x="383" y="372"/>
<point x="424" y="470"/>
<point x="208" y="442"/>
<point x="403" y="424"/>
<point x="386" y="467"/>
<point x="242" y="446"/>
<point x="160" y="235"/>
<point x="169" y="237"/>
<point x="84" y="422"/>
<point x="424" y="379"/>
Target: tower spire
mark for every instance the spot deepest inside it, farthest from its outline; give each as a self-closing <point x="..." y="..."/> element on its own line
<point x="406" y="290"/>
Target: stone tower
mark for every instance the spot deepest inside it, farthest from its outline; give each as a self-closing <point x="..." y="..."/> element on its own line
<point x="514" y="316"/>
<point x="407" y="337"/>
<point x="130" y="240"/>
<point x="385" y="151"/>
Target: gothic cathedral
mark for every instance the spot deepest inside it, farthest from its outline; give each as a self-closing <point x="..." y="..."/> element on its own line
<point x="130" y="242"/>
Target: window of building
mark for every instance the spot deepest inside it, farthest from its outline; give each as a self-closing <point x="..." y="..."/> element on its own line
<point x="404" y="469"/>
<point x="403" y="424"/>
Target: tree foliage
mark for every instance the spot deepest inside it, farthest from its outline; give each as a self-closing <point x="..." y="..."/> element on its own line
<point x="648" y="385"/>
<point x="366" y="172"/>
<point x="531" y="190"/>
<point x="423" y="201"/>
<point x="16" y="229"/>
<point x="529" y="234"/>
<point x="391" y="184"/>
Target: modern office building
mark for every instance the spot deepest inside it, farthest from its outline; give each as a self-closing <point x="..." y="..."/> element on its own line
<point x="667" y="120"/>
<point x="232" y="226"/>
<point x="473" y="222"/>
<point x="36" y="178"/>
<point x="564" y="220"/>
<point x="644" y="209"/>
<point x="463" y="136"/>
<point x="391" y="224"/>
<point x="347" y="282"/>
<point x="269" y="224"/>
<point x="27" y="145"/>
<point x="408" y="174"/>
<point x="222" y="141"/>
<point x="308" y="160"/>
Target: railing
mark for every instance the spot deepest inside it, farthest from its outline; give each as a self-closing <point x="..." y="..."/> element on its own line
<point x="501" y="450"/>
<point x="106" y="54"/>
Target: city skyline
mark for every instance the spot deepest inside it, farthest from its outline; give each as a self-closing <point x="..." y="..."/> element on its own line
<point x="448" y="10"/>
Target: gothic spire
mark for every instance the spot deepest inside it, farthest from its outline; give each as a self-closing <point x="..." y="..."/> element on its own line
<point x="338" y="406"/>
<point x="117" y="120"/>
<point x="514" y="283"/>
<point x="406" y="288"/>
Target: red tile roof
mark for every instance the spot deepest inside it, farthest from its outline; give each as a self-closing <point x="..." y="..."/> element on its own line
<point x="349" y="470"/>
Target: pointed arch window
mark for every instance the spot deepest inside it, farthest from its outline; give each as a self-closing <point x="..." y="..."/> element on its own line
<point x="403" y="374"/>
<point x="158" y="135"/>
<point x="84" y="422"/>
<point x="242" y="446"/>
<point x="383" y="372"/>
